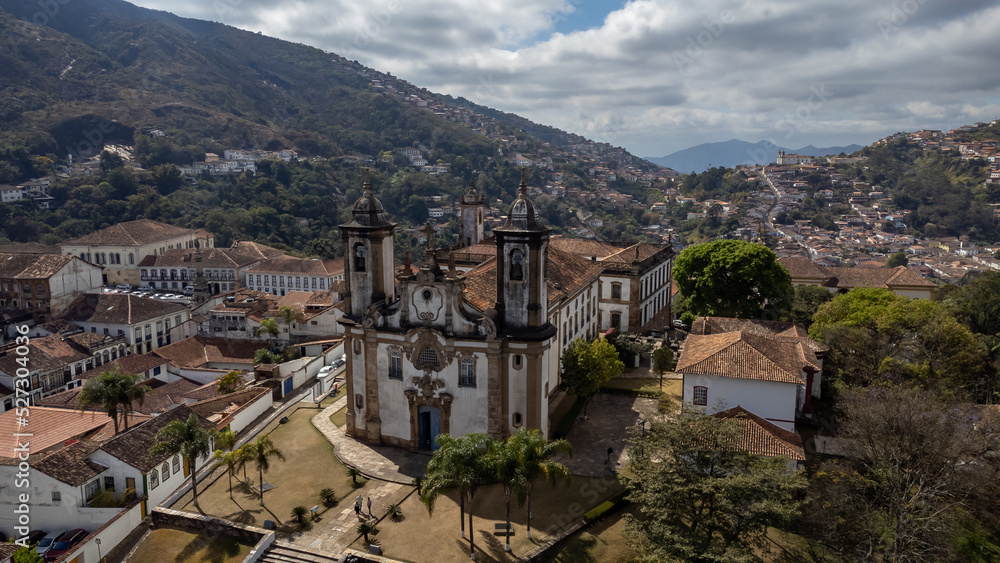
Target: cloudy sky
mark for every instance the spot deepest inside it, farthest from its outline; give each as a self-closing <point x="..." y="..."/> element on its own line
<point x="656" y="76"/>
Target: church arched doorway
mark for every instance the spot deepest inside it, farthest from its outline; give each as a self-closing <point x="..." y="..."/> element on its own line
<point x="429" y="426"/>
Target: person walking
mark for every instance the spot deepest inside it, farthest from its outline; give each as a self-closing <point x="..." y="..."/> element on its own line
<point x="357" y="507"/>
<point x="370" y="506"/>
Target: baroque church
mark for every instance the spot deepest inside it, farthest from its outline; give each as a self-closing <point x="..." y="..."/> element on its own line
<point x="441" y="349"/>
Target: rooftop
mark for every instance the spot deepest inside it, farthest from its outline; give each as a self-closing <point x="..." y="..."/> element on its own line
<point x="131" y="233"/>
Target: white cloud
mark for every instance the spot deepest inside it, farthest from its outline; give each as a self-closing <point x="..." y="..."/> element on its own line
<point x="661" y="75"/>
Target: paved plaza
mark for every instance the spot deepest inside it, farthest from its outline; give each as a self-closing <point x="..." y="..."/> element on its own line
<point x="610" y="417"/>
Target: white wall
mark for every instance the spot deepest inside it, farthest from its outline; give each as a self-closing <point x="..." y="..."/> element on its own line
<point x="77" y="276"/>
<point x="44" y="514"/>
<point x="124" y="522"/>
<point x="770" y="400"/>
<point x="251" y="412"/>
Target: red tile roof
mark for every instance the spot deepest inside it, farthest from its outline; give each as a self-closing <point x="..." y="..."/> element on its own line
<point x="131" y="233"/>
<point x="198" y="351"/>
<point x="113" y="308"/>
<point x="747" y="356"/>
<point x="32" y="266"/>
<point x="760" y="437"/>
<point x="49" y="427"/>
<point x="566" y="274"/>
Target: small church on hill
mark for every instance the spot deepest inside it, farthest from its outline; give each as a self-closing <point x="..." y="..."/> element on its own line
<point x="442" y="350"/>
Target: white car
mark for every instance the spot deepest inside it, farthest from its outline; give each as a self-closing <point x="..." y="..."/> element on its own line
<point x="324" y="371"/>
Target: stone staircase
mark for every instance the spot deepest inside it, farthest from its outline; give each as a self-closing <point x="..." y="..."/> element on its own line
<point x="281" y="552"/>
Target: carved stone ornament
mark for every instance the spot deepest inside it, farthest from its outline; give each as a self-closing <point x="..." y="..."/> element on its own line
<point x="426" y="385"/>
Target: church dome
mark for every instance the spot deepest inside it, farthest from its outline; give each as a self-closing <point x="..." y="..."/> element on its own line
<point x="368" y="210"/>
<point x="472" y="196"/>
<point x="521" y="215"/>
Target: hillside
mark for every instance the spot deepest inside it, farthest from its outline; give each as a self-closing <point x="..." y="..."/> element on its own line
<point x="734" y="152"/>
<point x="220" y="86"/>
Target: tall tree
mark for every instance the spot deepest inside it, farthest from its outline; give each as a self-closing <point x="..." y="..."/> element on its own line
<point x="231" y="461"/>
<point x="535" y="460"/>
<point x="291" y="315"/>
<point x="506" y="465"/>
<point x="459" y="464"/>
<point x="586" y="365"/>
<point x="663" y="361"/>
<point x="703" y="499"/>
<point x="269" y="328"/>
<point x="876" y="335"/>
<point x="115" y="392"/>
<point x="914" y="474"/>
<point x="260" y="452"/>
<point x="189" y="439"/>
<point x="732" y="278"/>
<point x="896" y="260"/>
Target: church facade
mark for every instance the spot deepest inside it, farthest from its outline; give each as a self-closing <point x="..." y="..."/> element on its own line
<point x="439" y="350"/>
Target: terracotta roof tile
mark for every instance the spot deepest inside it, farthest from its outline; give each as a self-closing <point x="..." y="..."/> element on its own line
<point x="777" y="329"/>
<point x="131" y="233"/>
<point x="566" y="273"/>
<point x="743" y="355"/>
<point x="302" y="266"/>
<point x="45" y="354"/>
<point x="244" y="254"/>
<point x="760" y="437"/>
<point x="803" y="268"/>
<point x="32" y="266"/>
<point x="132" y="447"/>
<point x="197" y="351"/>
<point x="113" y="308"/>
<point x="584" y="247"/>
<point x="49" y="427"/>
<point x="70" y="464"/>
<point x="131" y="364"/>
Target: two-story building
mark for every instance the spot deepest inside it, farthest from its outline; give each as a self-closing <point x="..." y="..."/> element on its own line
<point x="146" y="323"/>
<point x="121" y="248"/>
<point x="45" y="283"/>
<point x="223" y="268"/>
<point x="281" y="274"/>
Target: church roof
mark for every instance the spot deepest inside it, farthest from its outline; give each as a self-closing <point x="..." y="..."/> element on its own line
<point x="566" y="273"/>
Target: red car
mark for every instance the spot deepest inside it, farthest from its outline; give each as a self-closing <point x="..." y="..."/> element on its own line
<point x="65" y="543"/>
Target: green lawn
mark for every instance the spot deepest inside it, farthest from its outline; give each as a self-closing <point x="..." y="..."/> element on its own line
<point x="176" y="545"/>
<point x="310" y="465"/>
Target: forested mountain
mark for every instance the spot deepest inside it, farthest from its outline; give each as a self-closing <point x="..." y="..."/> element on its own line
<point x="81" y="74"/>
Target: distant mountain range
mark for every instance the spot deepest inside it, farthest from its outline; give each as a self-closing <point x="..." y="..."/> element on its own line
<point x="735" y="152"/>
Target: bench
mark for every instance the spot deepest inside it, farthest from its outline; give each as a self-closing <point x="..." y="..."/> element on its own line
<point x="501" y="529"/>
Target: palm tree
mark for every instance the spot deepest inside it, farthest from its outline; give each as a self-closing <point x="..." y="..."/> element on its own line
<point x="354" y="472"/>
<point x="460" y="464"/>
<point x="535" y="455"/>
<point x="232" y="462"/>
<point x="226" y="439"/>
<point x="229" y="382"/>
<point x="328" y="496"/>
<point x="291" y="315"/>
<point x="189" y="439"/>
<point x="115" y="392"/>
<point x="261" y="452"/>
<point x="244" y="455"/>
<point x="506" y="464"/>
<point x="269" y="328"/>
<point x="365" y="528"/>
<point x="299" y="513"/>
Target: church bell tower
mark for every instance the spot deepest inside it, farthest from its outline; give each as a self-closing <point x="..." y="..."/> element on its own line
<point x="368" y="254"/>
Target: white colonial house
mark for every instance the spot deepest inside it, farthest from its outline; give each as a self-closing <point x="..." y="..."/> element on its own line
<point x="146" y="323"/>
<point x="121" y="247"/>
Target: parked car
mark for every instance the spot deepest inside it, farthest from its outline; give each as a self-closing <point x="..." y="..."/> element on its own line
<point x="45" y="544"/>
<point x="325" y="371"/>
<point x="188" y="290"/>
<point x="124" y="286"/>
<point x="338" y="362"/>
<point x="65" y="543"/>
<point x="146" y="288"/>
<point x="35" y="537"/>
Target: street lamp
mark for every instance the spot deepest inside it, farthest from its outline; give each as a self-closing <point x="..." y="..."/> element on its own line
<point x="98" y="542"/>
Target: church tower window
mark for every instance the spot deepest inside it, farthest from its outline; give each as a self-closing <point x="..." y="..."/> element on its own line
<point x="428" y="357"/>
<point x="359" y="258"/>
<point x="516" y="265"/>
